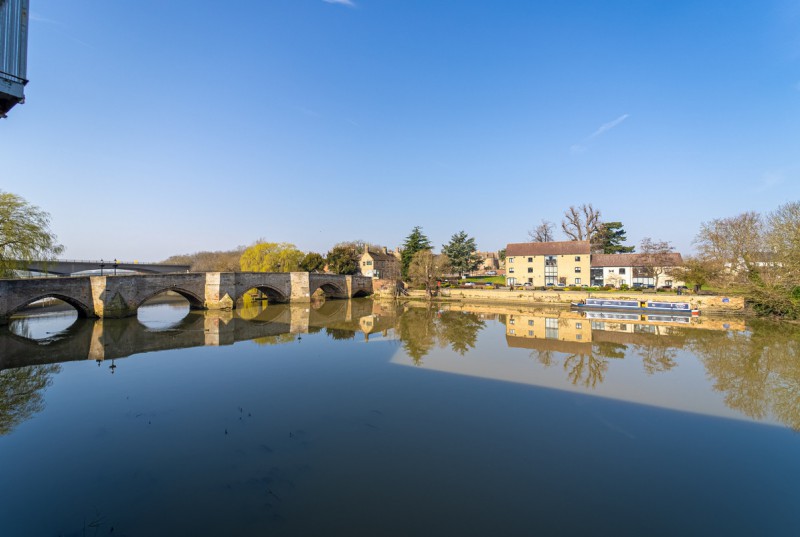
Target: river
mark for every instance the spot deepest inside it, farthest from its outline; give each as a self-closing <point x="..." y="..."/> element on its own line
<point x="373" y="418"/>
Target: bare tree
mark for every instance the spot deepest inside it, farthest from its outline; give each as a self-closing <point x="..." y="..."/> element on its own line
<point x="734" y="244"/>
<point x="426" y="268"/>
<point x="658" y="258"/>
<point x="783" y="239"/>
<point x="544" y="232"/>
<point x="581" y="223"/>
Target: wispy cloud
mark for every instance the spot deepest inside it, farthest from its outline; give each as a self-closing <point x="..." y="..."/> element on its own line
<point x="770" y="180"/>
<point x="348" y="3"/>
<point x="38" y="18"/>
<point x="604" y="128"/>
<point x="306" y="111"/>
<point x="797" y="86"/>
<point x="58" y="27"/>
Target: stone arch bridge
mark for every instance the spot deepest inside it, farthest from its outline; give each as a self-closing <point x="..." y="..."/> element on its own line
<point x="121" y="296"/>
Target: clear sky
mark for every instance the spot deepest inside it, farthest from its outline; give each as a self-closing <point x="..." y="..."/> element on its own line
<point x="157" y="127"/>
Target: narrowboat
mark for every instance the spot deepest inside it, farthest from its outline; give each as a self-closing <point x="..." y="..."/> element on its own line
<point x="636" y="306"/>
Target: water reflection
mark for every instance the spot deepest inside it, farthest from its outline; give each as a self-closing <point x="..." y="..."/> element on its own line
<point x="344" y="417"/>
<point x="22" y="393"/>
<point x="756" y="367"/>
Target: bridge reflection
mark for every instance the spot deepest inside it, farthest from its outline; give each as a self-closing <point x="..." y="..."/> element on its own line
<point x="106" y="339"/>
<point x="757" y="365"/>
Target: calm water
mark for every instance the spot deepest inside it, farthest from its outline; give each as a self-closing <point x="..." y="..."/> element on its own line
<point x="362" y="418"/>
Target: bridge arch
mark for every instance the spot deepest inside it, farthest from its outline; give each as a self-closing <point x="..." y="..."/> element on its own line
<point x="83" y="309"/>
<point x="195" y="302"/>
<point x="331" y="290"/>
<point x="273" y="295"/>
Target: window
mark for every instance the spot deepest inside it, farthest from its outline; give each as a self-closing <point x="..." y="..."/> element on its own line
<point x="578" y="326"/>
<point x="550" y="270"/>
<point x="369" y="262"/>
<point x="530" y="260"/>
<point x="551" y="328"/>
<point x="530" y="332"/>
<point x="530" y="280"/>
<point x="530" y="322"/>
<point x="577" y="281"/>
<point x="511" y="321"/>
<point x="668" y="283"/>
<point x="578" y="336"/>
<point x="530" y="269"/>
<point x="512" y="332"/>
<point x="622" y="271"/>
<point x="510" y="259"/>
<point x="511" y="270"/>
<point x="577" y="269"/>
<point x="611" y="271"/>
<point x="577" y="258"/>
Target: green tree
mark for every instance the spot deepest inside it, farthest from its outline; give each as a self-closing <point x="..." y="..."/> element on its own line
<point x="415" y="242"/>
<point x="271" y="257"/>
<point x="609" y="239"/>
<point x="461" y="252"/>
<point x="426" y="268"/>
<point x="312" y="262"/>
<point x="343" y="259"/>
<point x="24" y="234"/>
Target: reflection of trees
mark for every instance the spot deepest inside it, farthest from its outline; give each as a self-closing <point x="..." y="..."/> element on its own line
<point x="544" y="357"/>
<point x="608" y="349"/>
<point x="278" y="339"/>
<point x="759" y="371"/>
<point x="586" y="369"/>
<point x="658" y="353"/>
<point x="417" y="331"/>
<point x="582" y="368"/>
<point x="459" y="330"/>
<point x="340" y="333"/>
<point x="420" y="329"/>
<point x="22" y="393"/>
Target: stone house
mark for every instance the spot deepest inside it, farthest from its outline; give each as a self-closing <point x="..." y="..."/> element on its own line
<point x="380" y="263"/>
<point x="543" y="264"/>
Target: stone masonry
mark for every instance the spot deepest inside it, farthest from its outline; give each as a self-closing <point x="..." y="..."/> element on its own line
<point x="121" y="296"/>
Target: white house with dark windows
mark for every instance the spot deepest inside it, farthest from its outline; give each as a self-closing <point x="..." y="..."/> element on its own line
<point x="633" y="270"/>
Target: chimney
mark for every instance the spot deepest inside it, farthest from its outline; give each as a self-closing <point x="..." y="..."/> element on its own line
<point x="384" y="250"/>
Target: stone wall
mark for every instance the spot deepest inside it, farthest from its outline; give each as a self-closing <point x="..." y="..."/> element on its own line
<point x="707" y="304"/>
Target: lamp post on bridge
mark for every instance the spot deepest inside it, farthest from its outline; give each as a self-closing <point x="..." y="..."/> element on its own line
<point x="116" y="264"/>
<point x="102" y="265"/>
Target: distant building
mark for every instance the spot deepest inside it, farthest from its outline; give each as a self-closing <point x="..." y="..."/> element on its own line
<point x="633" y="270"/>
<point x="380" y="263"/>
<point x="542" y="264"/>
<point x="490" y="262"/>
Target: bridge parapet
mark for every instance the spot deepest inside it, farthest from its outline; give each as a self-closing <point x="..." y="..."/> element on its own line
<point x="120" y="296"/>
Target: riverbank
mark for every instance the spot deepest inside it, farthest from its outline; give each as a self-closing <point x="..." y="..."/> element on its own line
<point x="710" y="304"/>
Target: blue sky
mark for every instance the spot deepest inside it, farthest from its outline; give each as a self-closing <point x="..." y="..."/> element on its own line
<point x="154" y="128"/>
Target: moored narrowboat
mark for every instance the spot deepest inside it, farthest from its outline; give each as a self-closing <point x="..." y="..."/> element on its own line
<point x="636" y="306"/>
